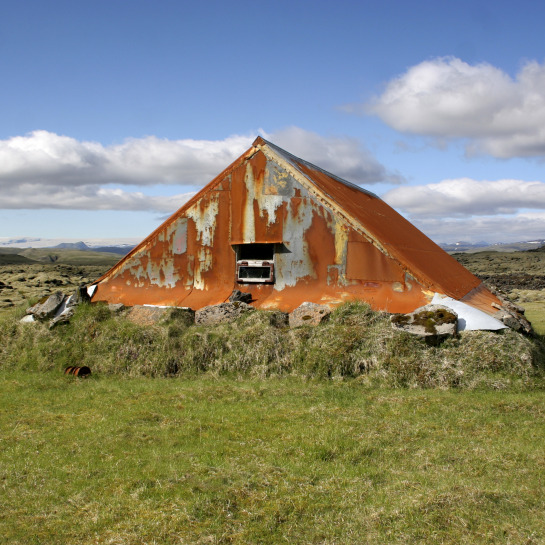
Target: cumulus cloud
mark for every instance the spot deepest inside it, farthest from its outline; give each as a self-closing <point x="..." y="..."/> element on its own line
<point x="88" y="197"/>
<point x="466" y="209"/>
<point x="47" y="170"/>
<point x="447" y="98"/>
<point x="50" y="159"/>
<point x="467" y="197"/>
<point x="516" y="228"/>
<point x="343" y="156"/>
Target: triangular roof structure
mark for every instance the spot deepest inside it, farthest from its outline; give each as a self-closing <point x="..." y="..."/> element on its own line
<point x="331" y="240"/>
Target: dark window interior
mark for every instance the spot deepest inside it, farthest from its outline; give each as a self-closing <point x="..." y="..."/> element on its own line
<point x="254" y="273"/>
<point x="262" y="252"/>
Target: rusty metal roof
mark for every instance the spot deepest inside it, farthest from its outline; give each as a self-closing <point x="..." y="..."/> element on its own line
<point x="383" y="248"/>
<point x="385" y="228"/>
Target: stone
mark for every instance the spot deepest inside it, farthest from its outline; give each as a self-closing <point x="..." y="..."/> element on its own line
<point x="79" y="296"/>
<point x="222" y="313"/>
<point x="511" y="314"/>
<point x="28" y="319"/>
<point x="62" y="318"/>
<point x="309" y="314"/>
<point x="147" y="315"/>
<point x="430" y="321"/>
<point x="516" y="322"/>
<point x="47" y="308"/>
<point x="238" y="295"/>
<point x="116" y="307"/>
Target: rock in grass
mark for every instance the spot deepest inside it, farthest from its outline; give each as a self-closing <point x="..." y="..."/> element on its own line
<point x="309" y="314"/>
<point x="47" y="307"/>
<point x="62" y="318"/>
<point x="430" y="321"/>
<point x="238" y="295"/>
<point x="80" y="296"/>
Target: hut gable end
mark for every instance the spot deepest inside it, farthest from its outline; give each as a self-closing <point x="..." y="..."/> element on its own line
<point x="285" y="231"/>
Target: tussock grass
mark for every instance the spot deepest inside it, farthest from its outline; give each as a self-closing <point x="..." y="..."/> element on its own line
<point x="355" y="343"/>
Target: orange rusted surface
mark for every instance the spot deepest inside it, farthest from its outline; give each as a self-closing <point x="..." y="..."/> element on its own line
<point x="483" y="299"/>
<point x="330" y="242"/>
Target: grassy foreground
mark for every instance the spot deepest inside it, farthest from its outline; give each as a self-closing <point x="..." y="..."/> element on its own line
<point x="163" y="461"/>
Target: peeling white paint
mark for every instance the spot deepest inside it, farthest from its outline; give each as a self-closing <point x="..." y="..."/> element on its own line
<point x="178" y="232"/>
<point x="290" y="270"/>
<point x="265" y="202"/>
<point x="204" y="264"/>
<point x="205" y="221"/>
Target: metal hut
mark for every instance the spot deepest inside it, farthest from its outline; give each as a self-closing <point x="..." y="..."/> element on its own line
<point x="288" y="232"/>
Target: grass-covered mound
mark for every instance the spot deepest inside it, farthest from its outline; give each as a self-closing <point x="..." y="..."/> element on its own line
<point x="355" y="343"/>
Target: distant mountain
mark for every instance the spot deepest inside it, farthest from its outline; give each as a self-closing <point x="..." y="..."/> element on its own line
<point x="72" y="246"/>
<point x="111" y="245"/>
<point x="469" y="247"/>
<point x="121" y="250"/>
<point x="463" y="246"/>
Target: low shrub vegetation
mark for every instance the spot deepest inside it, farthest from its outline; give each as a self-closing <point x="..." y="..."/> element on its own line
<point x="355" y="343"/>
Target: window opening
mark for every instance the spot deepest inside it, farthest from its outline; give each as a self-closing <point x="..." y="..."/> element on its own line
<point x="255" y="263"/>
<point x="254" y="252"/>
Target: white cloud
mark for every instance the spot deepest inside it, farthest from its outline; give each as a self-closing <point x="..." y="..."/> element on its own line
<point x="467" y="197"/>
<point x="47" y="158"/>
<point x="466" y="209"/>
<point x="517" y="228"/>
<point x="46" y="170"/>
<point x="87" y="197"/>
<point x="343" y="156"/>
<point x="447" y="98"/>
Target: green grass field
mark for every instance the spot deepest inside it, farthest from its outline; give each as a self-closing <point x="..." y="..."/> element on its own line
<point x="164" y="461"/>
<point x="535" y="312"/>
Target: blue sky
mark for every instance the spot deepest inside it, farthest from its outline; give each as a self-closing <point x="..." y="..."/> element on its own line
<point x="113" y="113"/>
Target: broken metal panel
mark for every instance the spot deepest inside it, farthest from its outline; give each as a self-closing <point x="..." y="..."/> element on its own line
<point x="469" y="317"/>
